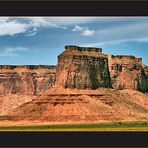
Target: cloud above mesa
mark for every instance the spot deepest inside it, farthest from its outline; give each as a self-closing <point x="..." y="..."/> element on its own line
<point x="83" y="30"/>
<point x="12" y="51"/>
<point x="29" y="25"/>
<point x="108" y="29"/>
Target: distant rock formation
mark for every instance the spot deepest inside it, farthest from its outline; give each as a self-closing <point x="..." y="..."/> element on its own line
<point x="27" y="80"/>
<point x="128" y="72"/>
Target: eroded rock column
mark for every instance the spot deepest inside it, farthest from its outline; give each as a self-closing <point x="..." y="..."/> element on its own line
<point x="127" y="72"/>
<point x="82" y="68"/>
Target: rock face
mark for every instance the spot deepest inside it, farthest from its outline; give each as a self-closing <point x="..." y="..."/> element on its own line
<point x="146" y="73"/>
<point x="77" y="67"/>
<point x="28" y="80"/>
<point x="82" y="89"/>
<point x="82" y="68"/>
<point x="128" y="72"/>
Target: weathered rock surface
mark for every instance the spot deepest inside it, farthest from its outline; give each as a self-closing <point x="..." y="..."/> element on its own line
<point x="146" y="73"/>
<point x="86" y="85"/>
<point x="82" y="68"/>
<point x="102" y="104"/>
<point x="128" y="72"/>
<point x="78" y="67"/>
<point x="20" y="84"/>
<point x="11" y="101"/>
<point x="27" y="80"/>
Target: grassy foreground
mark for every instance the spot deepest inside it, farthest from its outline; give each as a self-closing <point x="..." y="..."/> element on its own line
<point x="113" y="126"/>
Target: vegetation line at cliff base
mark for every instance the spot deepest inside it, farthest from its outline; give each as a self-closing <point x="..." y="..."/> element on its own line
<point x="114" y="126"/>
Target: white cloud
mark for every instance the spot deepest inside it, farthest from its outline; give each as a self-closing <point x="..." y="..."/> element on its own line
<point x="59" y="22"/>
<point x="136" y="27"/>
<point x="83" y="30"/>
<point x="3" y="19"/>
<point x="112" y="42"/>
<point x="77" y="28"/>
<point x="130" y="32"/>
<point x="12" y="27"/>
<point x="67" y="21"/>
<point x="88" y="32"/>
<point x="12" y="51"/>
<point x="15" y="25"/>
<point x="41" y="22"/>
<point x="29" y="25"/>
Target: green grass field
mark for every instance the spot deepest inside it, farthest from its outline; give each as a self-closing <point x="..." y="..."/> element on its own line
<point x="114" y="126"/>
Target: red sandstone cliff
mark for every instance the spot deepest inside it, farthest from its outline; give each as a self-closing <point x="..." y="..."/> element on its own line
<point x="128" y="72"/>
<point x="77" y="67"/>
<point x="20" y="84"/>
<point x="82" y="68"/>
<point x="26" y="80"/>
<point x="76" y="89"/>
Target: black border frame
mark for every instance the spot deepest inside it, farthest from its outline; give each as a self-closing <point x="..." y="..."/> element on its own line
<point x="73" y="139"/>
<point x="73" y="8"/>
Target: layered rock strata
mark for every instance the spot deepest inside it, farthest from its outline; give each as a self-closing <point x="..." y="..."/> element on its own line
<point x="73" y="105"/>
<point x="82" y="68"/>
<point x="77" y="67"/>
<point x="86" y="85"/>
<point x="128" y="72"/>
<point x="26" y="80"/>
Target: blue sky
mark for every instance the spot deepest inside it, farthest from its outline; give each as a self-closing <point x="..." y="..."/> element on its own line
<point x="39" y="40"/>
